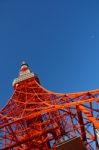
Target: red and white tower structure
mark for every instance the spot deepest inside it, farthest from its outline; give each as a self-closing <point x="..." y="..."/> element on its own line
<point x="37" y="119"/>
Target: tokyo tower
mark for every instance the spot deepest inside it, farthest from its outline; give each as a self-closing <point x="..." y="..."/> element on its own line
<point x="37" y="119"/>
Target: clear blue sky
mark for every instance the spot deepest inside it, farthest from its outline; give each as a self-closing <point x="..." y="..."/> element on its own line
<point x="58" y="38"/>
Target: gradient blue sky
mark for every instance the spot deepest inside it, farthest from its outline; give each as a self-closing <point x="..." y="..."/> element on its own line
<point x="58" y="38"/>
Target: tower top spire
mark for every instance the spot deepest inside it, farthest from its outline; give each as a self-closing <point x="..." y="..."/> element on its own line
<point x="24" y="63"/>
<point x="24" y="73"/>
<point x="24" y="68"/>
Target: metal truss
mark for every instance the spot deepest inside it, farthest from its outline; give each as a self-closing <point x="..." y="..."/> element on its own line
<point x="37" y="119"/>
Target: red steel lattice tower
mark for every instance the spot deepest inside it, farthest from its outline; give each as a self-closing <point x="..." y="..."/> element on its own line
<point x="37" y="119"/>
